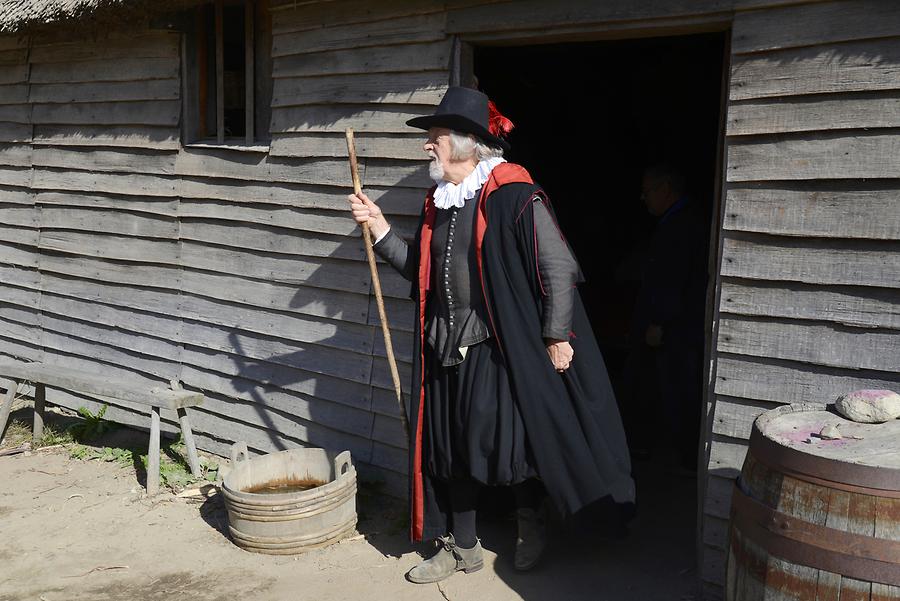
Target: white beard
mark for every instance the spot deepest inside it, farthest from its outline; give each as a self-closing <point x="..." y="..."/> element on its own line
<point x="436" y="170"/>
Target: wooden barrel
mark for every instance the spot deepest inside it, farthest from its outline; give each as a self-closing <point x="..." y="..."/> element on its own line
<point x="814" y="519"/>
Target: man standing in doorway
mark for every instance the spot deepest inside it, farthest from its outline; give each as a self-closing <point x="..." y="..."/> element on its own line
<point x="509" y="387"/>
<point x="668" y="325"/>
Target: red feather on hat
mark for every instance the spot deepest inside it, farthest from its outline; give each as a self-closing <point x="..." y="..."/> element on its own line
<point x="498" y="125"/>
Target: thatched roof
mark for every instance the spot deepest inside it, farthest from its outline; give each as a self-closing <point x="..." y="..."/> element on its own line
<point x="19" y="15"/>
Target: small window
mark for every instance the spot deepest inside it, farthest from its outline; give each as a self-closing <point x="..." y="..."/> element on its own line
<point x="227" y="67"/>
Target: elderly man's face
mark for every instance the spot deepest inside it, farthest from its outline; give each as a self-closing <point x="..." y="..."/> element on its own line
<point x="438" y="148"/>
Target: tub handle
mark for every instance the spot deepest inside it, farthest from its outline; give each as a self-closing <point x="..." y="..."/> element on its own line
<point x="341" y="464"/>
<point x="239" y="449"/>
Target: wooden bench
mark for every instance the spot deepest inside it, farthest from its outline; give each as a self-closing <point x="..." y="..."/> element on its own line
<point x="42" y="375"/>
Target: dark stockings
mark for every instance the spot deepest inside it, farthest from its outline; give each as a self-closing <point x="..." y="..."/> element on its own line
<point x="464" y="502"/>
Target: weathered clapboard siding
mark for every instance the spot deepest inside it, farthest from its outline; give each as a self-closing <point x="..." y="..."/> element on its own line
<point x="851" y="306"/>
<point x="815" y="209"/>
<point x="808" y="306"/>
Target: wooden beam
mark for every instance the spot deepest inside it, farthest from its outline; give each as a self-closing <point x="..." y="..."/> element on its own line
<point x="202" y="75"/>
<point x="220" y="73"/>
<point x="249" y="110"/>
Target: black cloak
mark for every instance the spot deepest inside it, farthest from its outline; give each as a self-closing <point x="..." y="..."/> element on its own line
<point x="571" y="419"/>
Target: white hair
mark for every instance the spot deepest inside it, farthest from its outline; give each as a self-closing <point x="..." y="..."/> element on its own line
<point x="464" y="146"/>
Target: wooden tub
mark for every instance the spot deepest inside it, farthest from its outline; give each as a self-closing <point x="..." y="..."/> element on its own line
<point x="815" y="519"/>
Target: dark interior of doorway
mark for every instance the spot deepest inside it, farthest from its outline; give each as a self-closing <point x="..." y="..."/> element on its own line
<point x="590" y="117"/>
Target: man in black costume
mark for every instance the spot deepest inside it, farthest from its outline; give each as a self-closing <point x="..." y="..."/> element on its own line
<point x="509" y="387"/>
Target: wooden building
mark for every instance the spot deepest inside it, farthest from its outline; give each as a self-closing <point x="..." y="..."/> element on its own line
<point x="173" y="181"/>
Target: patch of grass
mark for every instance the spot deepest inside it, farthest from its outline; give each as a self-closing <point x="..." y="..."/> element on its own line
<point x="17" y="433"/>
<point x="54" y="435"/>
<point x="123" y="457"/>
<point x="92" y="426"/>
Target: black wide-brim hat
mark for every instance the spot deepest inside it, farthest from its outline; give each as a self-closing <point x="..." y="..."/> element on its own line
<point x="464" y="110"/>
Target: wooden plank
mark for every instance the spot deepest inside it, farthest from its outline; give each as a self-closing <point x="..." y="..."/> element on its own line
<point x="726" y="456"/>
<point x="718" y="497"/>
<point x="326" y="273"/>
<point x="267" y="240"/>
<point x="16" y="196"/>
<point x="399" y="30"/>
<point x="311" y="145"/>
<point x="101" y="220"/>
<point x="147" y="204"/>
<point x="887" y="527"/>
<point x="287" y="326"/>
<point x="815" y="156"/>
<point x="247" y="349"/>
<point x="123" y="248"/>
<point x="11" y="254"/>
<point x="859" y="66"/>
<point x="15" y="176"/>
<point x="339" y="390"/>
<point x="861" y="263"/>
<point x="16" y="93"/>
<point x="14" y="74"/>
<point x="153" y="45"/>
<point x="291" y="17"/>
<point x="163" y="113"/>
<point x="109" y="183"/>
<point x="860" y="307"/>
<point x="389" y="431"/>
<point x="715" y="532"/>
<point x="92" y="159"/>
<point x="822" y="23"/>
<point x="814" y="113"/>
<point x="537" y="15"/>
<point x="768" y="379"/>
<point x="820" y="344"/>
<point x="135" y="136"/>
<point x="382" y="119"/>
<point x="24" y="316"/>
<point x="119" y="328"/>
<point x="18" y="277"/>
<point x="131" y="69"/>
<point x="815" y="209"/>
<point x="424" y="88"/>
<point x="433" y="56"/>
<point x="117" y="91"/>
<point x="15" y="113"/>
<point x="19" y="235"/>
<point x="167" y="369"/>
<point x="119" y="272"/>
<point x="11" y="42"/>
<point x="392" y="200"/>
<point x="220" y="70"/>
<point x="15" y="132"/>
<point x="271" y="401"/>
<point x="151" y="300"/>
<point x="17" y="348"/>
<point x="13" y="56"/>
<point x="389" y="457"/>
<point x="16" y="155"/>
<point x="18" y="215"/>
<point x="233" y="165"/>
<point x="284" y="218"/>
<point x="317" y="302"/>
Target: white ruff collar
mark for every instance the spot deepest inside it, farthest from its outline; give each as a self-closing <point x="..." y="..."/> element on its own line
<point x="450" y="195"/>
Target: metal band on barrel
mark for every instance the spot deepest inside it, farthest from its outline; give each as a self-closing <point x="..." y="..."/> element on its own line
<point x="801" y="542"/>
<point x="852" y="477"/>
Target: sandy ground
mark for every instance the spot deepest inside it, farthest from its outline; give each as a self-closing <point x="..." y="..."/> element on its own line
<point x="78" y="530"/>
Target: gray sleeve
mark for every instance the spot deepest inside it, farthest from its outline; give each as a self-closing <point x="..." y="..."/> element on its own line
<point x="559" y="271"/>
<point x="393" y="249"/>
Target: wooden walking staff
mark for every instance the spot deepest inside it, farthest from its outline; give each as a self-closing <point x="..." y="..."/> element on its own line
<point x="376" y="283"/>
